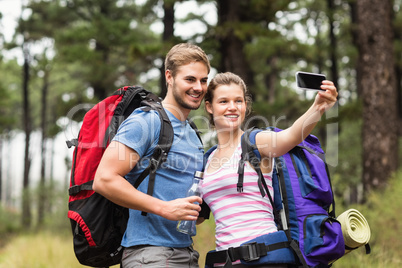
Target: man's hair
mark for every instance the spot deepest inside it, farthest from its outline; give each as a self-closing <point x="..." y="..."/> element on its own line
<point x="227" y="79"/>
<point x="183" y="54"/>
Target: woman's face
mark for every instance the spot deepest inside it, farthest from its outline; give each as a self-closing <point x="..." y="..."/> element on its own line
<point x="228" y="107"/>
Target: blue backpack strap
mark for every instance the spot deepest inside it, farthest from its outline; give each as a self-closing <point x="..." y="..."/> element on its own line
<point x="270" y="249"/>
<point x="252" y="136"/>
<point x="251" y="154"/>
<point x="207" y="154"/>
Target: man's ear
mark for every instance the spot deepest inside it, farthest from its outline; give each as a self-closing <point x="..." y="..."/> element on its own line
<point x="169" y="77"/>
<point x="208" y="107"/>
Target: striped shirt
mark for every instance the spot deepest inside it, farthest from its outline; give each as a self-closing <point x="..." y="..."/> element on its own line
<point x="239" y="217"/>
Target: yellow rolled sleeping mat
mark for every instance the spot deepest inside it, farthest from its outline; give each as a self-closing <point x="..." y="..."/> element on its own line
<point x="355" y="229"/>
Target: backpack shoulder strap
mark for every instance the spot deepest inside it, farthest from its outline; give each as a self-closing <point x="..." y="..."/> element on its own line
<point x="251" y="154"/>
<point x="152" y="102"/>
<point x="207" y="154"/>
<point x="132" y="96"/>
<point x="197" y="131"/>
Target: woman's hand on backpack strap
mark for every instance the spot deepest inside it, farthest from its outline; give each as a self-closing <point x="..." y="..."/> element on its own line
<point x="182" y="209"/>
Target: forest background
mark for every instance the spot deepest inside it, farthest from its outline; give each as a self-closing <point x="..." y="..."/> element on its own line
<point x="65" y="55"/>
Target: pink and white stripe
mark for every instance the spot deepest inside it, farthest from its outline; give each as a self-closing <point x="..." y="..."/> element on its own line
<point x="242" y="216"/>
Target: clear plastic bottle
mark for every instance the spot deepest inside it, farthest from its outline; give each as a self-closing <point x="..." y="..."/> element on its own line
<point x="188" y="227"/>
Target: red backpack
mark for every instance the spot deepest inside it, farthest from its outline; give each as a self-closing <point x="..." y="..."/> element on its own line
<point x="98" y="224"/>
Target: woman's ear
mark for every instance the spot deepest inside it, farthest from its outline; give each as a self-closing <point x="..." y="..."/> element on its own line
<point x="208" y="107"/>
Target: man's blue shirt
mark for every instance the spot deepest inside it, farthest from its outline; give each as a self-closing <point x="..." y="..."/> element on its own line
<point x="140" y="131"/>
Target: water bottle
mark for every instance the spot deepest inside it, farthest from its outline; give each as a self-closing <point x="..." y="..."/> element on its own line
<point x="188" y="227"/>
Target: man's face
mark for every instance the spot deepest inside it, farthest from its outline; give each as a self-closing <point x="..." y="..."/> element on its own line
<point x="189" y="85"/>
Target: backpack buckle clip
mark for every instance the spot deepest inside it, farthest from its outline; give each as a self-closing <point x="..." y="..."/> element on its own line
<point x="249" y="252"/>
<point x="157" y="158"/>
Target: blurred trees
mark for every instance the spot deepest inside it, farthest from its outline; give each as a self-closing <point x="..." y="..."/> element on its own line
<point x="81" y="51"/>
<point x="99" y="36"/>
<point x="10" y="102"/>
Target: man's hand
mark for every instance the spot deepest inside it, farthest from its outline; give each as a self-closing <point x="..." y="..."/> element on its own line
<point x="182" y="209"/>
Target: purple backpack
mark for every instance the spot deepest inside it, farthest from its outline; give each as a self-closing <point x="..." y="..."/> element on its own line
<point x="304" y="209"/>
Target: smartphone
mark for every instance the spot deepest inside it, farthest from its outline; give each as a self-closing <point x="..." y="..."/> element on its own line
<point x="309" y="81"/>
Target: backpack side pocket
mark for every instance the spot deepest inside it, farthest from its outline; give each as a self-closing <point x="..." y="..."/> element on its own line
<point x="323" y="239"/>
<point x="314" y="180"/>
<point x="98" y="226"/>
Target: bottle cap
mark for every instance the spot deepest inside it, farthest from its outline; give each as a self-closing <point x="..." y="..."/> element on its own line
<point x="199" y="174"/>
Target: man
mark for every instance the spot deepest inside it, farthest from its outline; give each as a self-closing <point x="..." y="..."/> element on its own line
<point x="152" y="240"/>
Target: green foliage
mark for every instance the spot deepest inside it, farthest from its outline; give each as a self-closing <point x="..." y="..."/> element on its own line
<point x="383" y="221"/>
<point x="9" y="220"/>
<point x="347" y="167"/>
<point x="55" y="218"/>
<point x="56" y="207"/>
<point x="42" y="249"/>
<point x="54" y="249"/>
<point x="102" y="45"/>
<point x="10" y="97"/>
<point x="204" y="241"/>
<point x="280" y="113"/>
<point x="385" y="226"/>
<point x="98" y="37"/>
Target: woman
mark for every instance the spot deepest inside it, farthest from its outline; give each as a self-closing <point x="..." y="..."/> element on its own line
<point x="240" y="217"/>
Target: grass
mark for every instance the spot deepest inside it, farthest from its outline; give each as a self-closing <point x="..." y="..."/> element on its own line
<point x="48" y="249"/>
<point x="204" y="241"/>
<point x="382" y="214"/>
<point x="39" y="250"/>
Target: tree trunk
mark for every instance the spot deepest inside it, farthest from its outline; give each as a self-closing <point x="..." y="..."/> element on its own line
<point x="51" y="179"/>
<point x="233" y="57"/>
<point x="399" y="90"/>
<point x="378" y="86"/>
<point x="8" y="188"/>
<point x="398" y="73"/>
<point x="26" y="198"/>
<point x="354" y="32"/>
<point x="333" y="42"/>
<point x="100" y="91"/>
<point x="42" y="183"/>
<point x="167" y="36"/>
<point x="1" y="170"/>
<point x="271" y="79"/>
